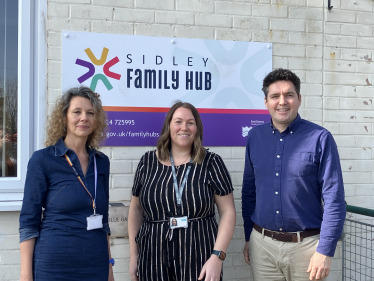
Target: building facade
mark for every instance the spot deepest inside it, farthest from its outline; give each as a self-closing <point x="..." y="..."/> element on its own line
<point x="330" y="50"/>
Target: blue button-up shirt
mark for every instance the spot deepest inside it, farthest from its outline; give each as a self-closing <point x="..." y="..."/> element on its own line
<point x="52" y="185"/>
<point x="293" y="182"/>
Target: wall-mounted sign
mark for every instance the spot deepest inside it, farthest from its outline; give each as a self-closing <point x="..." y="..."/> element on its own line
<point x="140" y="77"/>
<point x="118" y="217"/>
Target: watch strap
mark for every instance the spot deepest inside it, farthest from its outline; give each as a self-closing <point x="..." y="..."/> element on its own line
<point x="220" y="254"/>
<point x="112" y="261"/>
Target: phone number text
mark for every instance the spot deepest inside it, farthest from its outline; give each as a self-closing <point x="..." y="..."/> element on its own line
<point x="119" y="122"/>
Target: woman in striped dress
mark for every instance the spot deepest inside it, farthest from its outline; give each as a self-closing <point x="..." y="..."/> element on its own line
<point x="172" y="229"/>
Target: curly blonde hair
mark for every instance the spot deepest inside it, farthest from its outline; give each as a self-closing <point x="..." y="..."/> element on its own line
<point x="164" y="142"/>
<point x="56" y="128"/>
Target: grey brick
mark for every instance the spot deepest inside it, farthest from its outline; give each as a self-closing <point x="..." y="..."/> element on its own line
<point x="233" y="8"/>
<point x="113" y="27"/>
<point x="200" y="6"/>
<point x="251" y="23"/>
<point x="213" y="20"/>
<point x="163" y="30"/>
<point x="233" y="34"/>
<point x="134" y="15"/>
<point x="273" y="11"/>
<point x="194" y="32"/>
<point x="157" y="5"/>
<point x="287" y="24"/>
<point x="289" y="50"/>
<point x="91" y="12"/>
<point x="114" y="3"/>
<point x="306" y="13"/>
<point x="174" y="17"/>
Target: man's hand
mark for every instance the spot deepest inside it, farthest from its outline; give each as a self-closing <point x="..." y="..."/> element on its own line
<point x="246" y="252"/>
<point x="319" y="266"/>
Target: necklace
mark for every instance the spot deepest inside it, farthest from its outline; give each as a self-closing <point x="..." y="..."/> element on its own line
<point x="188" y="157"/>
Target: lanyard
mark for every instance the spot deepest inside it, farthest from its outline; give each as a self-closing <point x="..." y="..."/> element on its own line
<point x="178" y="191"/>
<point x="79" y="178"/>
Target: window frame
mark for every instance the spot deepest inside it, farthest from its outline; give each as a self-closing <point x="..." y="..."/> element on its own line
<point x="32" y="89"/>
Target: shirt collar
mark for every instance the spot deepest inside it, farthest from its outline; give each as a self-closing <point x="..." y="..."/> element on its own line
<point x="61" y="149"/>
<point x="291" y="128"/>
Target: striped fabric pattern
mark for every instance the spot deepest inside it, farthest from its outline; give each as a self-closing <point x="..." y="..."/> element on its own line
<point x="183" y="257"/>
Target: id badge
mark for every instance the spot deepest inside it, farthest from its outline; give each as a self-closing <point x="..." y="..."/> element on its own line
<point x="179" y="222"/>
<point x="94" y="222"/>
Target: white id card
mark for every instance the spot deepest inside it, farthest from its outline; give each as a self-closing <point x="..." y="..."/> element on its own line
<point x="94" y="222"/>
<point x="180" y="222"/>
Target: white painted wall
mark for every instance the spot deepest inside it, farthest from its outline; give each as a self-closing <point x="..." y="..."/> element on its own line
<point x="332" y="53"/>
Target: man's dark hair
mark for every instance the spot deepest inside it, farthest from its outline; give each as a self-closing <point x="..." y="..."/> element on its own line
<point x="278" y="75"/>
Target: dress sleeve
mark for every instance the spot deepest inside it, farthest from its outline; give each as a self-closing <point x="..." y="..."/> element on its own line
<point x="106" y="188"/>
<point x="36" y="186"/>
<point x="139" y="178"/>
<point x="219" y="177"/>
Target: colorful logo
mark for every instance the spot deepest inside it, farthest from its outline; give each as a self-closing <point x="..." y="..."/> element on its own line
<point x="91" y="69"/>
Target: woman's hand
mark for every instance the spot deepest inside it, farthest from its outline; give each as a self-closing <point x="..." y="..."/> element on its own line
<point x="211" y="269"/>
<point x="27" y="252"/>
<point x="133" y="270"/>
<point x="135" y="220"/>
<point x="111" y="277"/>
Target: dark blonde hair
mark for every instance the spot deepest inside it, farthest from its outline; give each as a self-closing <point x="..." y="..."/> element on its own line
<point x="56" y="128"/>
<point x="164" y="142"/>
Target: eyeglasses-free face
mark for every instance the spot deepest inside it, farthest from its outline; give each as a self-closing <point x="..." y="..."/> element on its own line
<point x="182" y="128"/>
<point x="283" y="103"/>
<point x="80" y="118"/>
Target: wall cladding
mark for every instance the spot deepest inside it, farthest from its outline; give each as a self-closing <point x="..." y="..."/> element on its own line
<point x="331" y="51"/>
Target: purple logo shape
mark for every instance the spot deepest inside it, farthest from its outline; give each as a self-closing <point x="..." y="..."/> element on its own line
<point x="90" y="72"/>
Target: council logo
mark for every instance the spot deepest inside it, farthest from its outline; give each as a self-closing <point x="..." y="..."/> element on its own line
<point x="98" y="62"/>
<point x="245" y="131"/>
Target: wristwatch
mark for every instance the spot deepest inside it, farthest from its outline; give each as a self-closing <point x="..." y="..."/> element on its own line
<point x="112" y="261"/>
<point x="220" y="254"/>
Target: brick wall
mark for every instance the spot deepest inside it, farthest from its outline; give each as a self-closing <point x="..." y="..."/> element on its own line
<point x="332" y="53"/>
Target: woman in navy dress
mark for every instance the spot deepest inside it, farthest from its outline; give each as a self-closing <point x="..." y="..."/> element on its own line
<point x="64" y="226"/>
<point x="173" y="232"/>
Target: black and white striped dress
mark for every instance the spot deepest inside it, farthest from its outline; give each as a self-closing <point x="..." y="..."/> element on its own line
<point x="182" y="257"/>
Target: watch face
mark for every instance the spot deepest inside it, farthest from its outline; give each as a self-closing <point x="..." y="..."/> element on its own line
<point x="222" y="255"/>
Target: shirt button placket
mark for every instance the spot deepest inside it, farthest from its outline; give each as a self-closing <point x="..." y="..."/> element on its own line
<point x="277" y="181"/>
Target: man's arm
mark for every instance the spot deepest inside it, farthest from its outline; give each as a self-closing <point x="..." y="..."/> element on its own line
<point x="331" y="182"/>
<point x="248" y="198"/>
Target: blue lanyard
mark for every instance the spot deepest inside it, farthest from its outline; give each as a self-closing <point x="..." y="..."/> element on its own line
<point x="178" y="191"/>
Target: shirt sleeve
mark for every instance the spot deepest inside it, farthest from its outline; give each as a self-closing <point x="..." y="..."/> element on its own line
<point x="331" y="182"/>
<point x="106" y="188"/>
<point x="138" y="180"/>
<point x="33" y="198"/>
<point x="219" y="177"/>
<point x="248" y="193"/>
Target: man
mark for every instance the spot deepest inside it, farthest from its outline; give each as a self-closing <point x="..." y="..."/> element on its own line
<point x="293" y="194"/>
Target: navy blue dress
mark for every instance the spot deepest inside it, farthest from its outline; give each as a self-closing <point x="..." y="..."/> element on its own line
<point x="64" y="248"/>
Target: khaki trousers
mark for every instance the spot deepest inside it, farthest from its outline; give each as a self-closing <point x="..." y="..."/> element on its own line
<point x="273" y="260"/>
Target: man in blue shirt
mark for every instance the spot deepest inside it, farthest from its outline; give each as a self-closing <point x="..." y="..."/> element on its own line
<point x="293" y="196"/>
